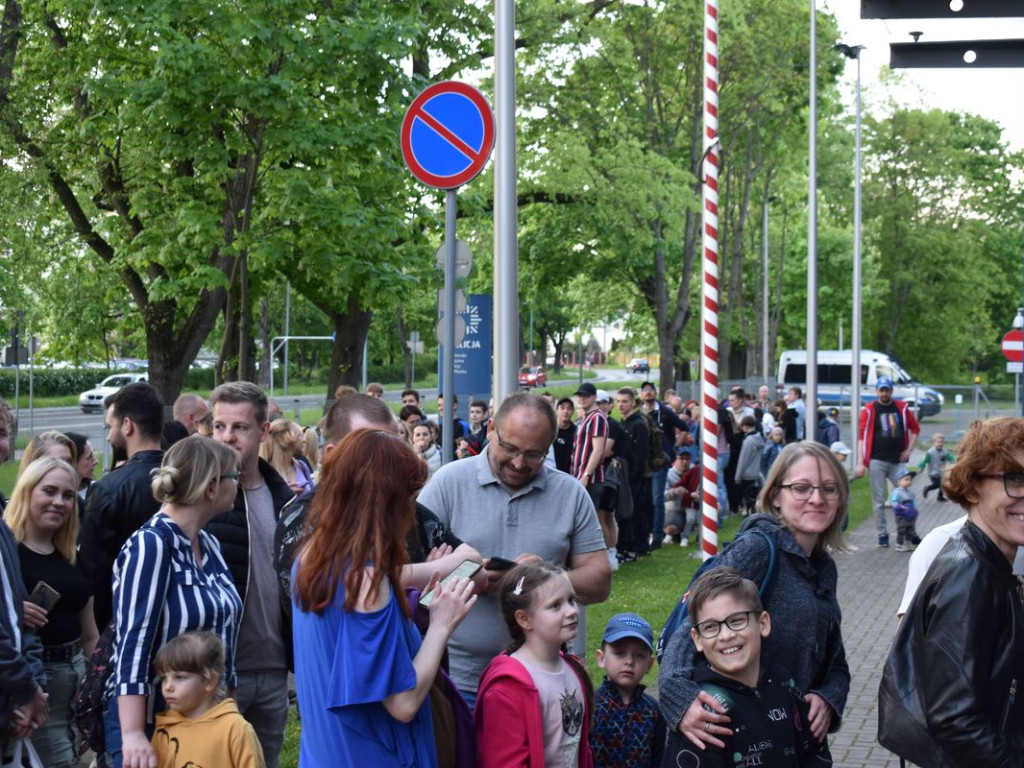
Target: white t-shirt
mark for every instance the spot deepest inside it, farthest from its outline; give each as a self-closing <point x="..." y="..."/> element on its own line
<point x="929" y="549"/>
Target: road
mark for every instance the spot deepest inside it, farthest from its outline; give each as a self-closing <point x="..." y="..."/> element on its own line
<point x="71" y="418"/>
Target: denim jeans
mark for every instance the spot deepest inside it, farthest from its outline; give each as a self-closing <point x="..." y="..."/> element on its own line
<point x="658" y="479"/>
<point x="723" y="493"/>
<point x="878" y="473"/>
<point x="262" y="697"/>
<point x="112" y="733"/>
<point x="55" y="741"/>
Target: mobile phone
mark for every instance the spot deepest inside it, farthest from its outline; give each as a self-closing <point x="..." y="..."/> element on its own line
<point x="44" y="596"/>
<point x="465" y="570"/>
<point x="496" y="563"/>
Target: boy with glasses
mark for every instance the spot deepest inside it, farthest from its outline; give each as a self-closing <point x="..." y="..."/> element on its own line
<point x="767" y="716"/>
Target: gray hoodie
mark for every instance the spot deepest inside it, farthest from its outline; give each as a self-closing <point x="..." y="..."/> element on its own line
<point x="749" y="465"/>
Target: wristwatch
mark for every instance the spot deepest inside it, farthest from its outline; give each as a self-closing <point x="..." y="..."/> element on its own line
<point x="587" y="474"/>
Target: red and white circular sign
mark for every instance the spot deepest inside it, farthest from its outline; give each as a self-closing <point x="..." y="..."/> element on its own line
<point x="1013" y="346"/>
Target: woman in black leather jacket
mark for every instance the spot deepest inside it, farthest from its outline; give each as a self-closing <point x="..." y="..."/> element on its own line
<point x="949" y="692"/>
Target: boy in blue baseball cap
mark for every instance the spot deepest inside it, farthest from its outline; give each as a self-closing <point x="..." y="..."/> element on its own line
<point x="628" y="730"/>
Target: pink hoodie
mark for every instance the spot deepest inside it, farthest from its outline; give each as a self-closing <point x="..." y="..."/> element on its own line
<point x="509" y="732"/>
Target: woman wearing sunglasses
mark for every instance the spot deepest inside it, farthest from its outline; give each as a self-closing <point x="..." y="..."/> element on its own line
<point x="800" y="509"/>
<point x="949" y="689"/>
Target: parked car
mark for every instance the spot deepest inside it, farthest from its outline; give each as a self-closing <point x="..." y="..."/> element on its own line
<point x="533" y="376"/>
<point x="92" y="399"/>
<point x="638" y="365"/>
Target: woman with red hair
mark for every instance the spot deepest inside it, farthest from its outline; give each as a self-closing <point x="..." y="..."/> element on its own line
<point x="362" y="670"/>
<point x="948" y="696"/>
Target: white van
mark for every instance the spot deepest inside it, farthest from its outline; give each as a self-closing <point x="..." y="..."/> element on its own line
<point x="834" y="368"/>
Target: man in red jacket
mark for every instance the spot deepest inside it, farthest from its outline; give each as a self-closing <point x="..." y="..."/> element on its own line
<point x="888" y="430"/>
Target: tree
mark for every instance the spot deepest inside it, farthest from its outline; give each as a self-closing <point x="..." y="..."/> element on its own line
<point x="180" y="140"/>
<point x="935" y="193"/>
<point x="619" y="131"/>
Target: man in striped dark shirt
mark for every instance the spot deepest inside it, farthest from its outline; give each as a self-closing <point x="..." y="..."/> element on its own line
<point x="591" y="432"/>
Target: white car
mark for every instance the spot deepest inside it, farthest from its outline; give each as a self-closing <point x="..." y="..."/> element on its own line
<point x="92" y="399"/>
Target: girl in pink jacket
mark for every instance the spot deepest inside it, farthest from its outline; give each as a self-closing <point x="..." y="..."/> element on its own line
<point x="533" y="703"/>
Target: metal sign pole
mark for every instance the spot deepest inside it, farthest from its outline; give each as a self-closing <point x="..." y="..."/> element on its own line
<point x="506" y="248"/>
<point x="448" y="364"/>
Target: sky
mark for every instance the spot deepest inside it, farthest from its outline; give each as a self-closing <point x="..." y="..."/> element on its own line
<point x="997" y="94"/>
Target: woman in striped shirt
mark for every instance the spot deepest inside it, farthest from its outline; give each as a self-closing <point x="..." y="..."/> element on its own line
<point x="170" y="578"/>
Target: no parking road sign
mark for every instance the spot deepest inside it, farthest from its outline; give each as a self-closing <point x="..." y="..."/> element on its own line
<point x="447" y="134"/>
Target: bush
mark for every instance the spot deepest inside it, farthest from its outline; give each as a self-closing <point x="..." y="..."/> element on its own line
<point x="61" y="382"/>
<point x="52" y="382"/>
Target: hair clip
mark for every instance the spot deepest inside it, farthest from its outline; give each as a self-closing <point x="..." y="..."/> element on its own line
<point x="519" y="586"/>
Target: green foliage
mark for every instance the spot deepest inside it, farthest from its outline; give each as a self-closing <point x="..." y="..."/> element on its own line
<point x="51" y="382"/>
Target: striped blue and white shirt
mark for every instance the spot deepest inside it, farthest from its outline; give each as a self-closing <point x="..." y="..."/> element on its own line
<point x="160" y="592"/>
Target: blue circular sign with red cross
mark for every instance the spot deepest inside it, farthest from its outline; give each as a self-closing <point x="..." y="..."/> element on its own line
<point x="447" y="134"/>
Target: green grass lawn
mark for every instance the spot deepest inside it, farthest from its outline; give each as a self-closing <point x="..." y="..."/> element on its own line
<point x="649" y="587"/>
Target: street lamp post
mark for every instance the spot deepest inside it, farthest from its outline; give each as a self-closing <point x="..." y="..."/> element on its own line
<point x="853" y="52"/>
<point x="811" y="395"/>
<point x="765" y="359"/>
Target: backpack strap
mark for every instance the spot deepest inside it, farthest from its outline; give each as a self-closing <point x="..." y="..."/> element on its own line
<point x="767" y="583"/>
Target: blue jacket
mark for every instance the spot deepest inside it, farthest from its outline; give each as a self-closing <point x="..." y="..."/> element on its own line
<point x="805" y="637"/>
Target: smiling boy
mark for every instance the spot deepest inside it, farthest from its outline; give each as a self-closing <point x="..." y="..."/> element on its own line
<point x="629" y="730"/>
<point x="767" y="716"/>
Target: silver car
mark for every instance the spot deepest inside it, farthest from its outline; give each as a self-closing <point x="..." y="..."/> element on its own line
<point x="92" y="399"/>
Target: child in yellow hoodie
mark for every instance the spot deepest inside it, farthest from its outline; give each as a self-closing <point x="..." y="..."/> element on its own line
<point x="201" y="728"/>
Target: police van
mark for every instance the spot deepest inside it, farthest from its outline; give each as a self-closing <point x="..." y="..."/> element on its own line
<point x="834" y="378"/>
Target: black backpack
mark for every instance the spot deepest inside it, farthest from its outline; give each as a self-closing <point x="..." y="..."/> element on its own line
<point x="656" y="457"/>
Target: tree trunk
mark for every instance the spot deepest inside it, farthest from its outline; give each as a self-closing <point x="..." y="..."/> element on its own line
<point x="265" y="358"/>
<point x="407" y="353"/>
<point x="350" y="330"/>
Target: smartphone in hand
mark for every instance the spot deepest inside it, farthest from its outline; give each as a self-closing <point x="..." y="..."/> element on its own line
<point x="496" y="563"/>
<point x="467" y="569"/>
<point x="44" y="596"/>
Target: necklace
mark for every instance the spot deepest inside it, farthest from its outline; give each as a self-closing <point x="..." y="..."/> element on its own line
<point x="39" y="551"/>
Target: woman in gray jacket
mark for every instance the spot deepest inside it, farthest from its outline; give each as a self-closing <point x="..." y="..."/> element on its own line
<point x="801" y="509"/>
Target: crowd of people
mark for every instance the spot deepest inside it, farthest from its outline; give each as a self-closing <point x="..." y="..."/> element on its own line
<point x="433" y="612"/>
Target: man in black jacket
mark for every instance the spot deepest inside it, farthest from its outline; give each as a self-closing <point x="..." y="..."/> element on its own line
<point x="668" y="422"/>
<point x="120" y="502"/>
<point x="638" y="440"/>
<point x="246" y="536"/>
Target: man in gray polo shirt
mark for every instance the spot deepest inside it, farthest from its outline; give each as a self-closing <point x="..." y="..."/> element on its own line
<point x="507" y="503"/>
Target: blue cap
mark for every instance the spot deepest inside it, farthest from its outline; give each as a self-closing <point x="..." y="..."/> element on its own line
<point x="623" y="625"/>
<point x="884" y="382"/>
<point x="904" y="472"/>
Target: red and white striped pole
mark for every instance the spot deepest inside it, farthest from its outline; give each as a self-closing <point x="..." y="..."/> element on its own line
<point x="709" y="294"/>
